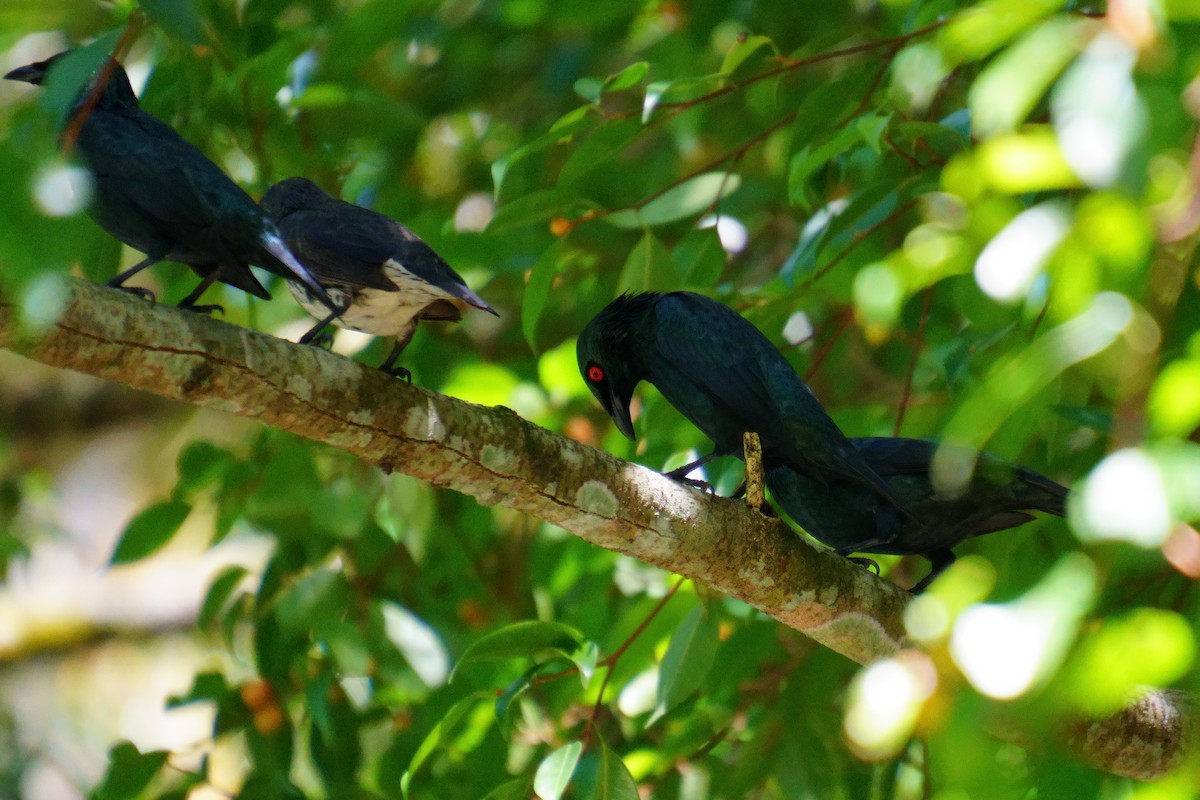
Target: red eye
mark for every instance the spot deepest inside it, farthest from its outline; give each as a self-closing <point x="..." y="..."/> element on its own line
<point x="595" y="374"/>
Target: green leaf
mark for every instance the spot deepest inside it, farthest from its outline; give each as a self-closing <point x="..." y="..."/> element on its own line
<point x="689" y="198"/>
<point x="554" y="773"/>
<point x="207" y="687"/>
<point x="613" y="781"/>
<point x="152" y="528"/>
<point x="129" y="772"/>
<point x="562" y="130"/>
<point x="700" y="258"/>
<point x="530" y="209"/>
<point x="678" y="90"/>
<point x="743" y="50"/>
<point x="597" y="151"/>
<point x="688" y="658"/>
<point x="585" y="657"/>
<point x="439" y="736"/>
<point x="1011" y="85"/>
<point x="1099" y="421"/>
<point x="513" y="790"/>
<point x="810" y="159"/>
<point x="506" y="704"/>
<point x="530" y="639"/>
<point x="627" y="78"/>
<point x="537" y="291"/>
<point x="871" y="128"/>
<point x="649" y="268"/>
<point x="589" y="88"/>
<point x="71" y="72"/>
<point x="200" y="465"/>
<point x="569" y="123"/>
<point x="315" y="597"/>
<point x="988" y="26"/>
<point x="177" y="17"/>
<point x="219" y="592"/>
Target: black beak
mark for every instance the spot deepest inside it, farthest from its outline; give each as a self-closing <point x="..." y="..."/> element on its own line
<point x="618" y="409"/>
<point x="30" y="73"/>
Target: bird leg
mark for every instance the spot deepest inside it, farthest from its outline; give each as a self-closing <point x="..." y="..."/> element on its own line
<point x="389" y="363"/>
<point x="314" y="336"/>
<point x="119" y="281"/>
<point x="189" y="303"/>
<point x="869" y="563"/>
<point x="680" y="473"/>
<point x="317" y="336"/>
<point x="939" y="560"/>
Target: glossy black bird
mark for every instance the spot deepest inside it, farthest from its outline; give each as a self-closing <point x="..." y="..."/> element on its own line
<point x="382" y="276"/>
<point x="1000" y="495"/>
<point x="727" y="378"/>
<point x="158" y="193"/>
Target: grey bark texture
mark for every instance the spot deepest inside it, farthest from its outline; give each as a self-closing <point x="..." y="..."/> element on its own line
<point x="498" y="457"/>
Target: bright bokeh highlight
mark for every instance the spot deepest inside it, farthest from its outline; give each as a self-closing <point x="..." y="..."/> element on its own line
<point x="885" y="701"/>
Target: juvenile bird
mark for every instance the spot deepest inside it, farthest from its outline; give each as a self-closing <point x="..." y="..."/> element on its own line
<point x="999" y="496"/>
<point x="727" y="378"/>
<point x="382" y="276"/>
<point x="157" y="193"/>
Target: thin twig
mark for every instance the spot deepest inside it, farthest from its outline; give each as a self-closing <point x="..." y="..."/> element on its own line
<point x="75" y="124"/>
<point x="843" y="321"/>
<point x="858" y="238"/>
<point x="611" y="661"/>
<point x="912" y="363"/>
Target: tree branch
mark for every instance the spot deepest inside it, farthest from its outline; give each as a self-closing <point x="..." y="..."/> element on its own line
<point x="497" y="457"/>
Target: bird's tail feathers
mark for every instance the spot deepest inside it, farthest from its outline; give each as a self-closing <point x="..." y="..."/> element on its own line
<point x="464" y="293"/>
<point x="1042" y="494"/>
<point x="275" y="245"/>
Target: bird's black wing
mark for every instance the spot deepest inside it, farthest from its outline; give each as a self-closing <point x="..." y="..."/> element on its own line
<point x="714" y="348"/>
<point x="889" y="455"/>
<point x="339" y="247"/>
<point x="736" y="364"/>
<point x="142" y="161"/>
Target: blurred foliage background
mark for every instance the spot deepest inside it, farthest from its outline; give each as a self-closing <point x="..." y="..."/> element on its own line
<point x="974" y="221"/>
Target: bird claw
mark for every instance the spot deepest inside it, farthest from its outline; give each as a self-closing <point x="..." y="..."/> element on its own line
<point x="323" y="340"/>
<point x="398" y="372"/>
<point x="869" y="563"/>
<point x="205" y="309"/>
<point x="695" y="483"/>
<point x="136" y="291"/>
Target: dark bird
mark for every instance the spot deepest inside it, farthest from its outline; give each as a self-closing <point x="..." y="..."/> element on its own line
<point x="727" y="378"/>
<point x="158" y="193"/>
<point x="999" y="496"/>
<point x="382" y="276"/>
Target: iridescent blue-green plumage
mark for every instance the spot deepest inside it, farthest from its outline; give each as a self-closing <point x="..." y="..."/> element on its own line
<point x="157" y="193"/>
<point x="999" y="495"/>
<point x="726" y="377"/>
<point x="383" y="277"/>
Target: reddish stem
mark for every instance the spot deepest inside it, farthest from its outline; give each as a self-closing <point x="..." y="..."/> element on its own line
<point x="912" y="364"/>
<point x="75" y="124"/>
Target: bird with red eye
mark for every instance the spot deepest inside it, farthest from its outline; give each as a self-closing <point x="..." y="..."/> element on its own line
<point x="726" y="377"/>
<point x="864" y="495"/>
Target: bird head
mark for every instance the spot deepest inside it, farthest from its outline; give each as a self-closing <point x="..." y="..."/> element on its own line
<point x="293" y="194"/>
<point x="81" y="68"/>
<point x="608" y="370"/>
<point x="34" y="73"/>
